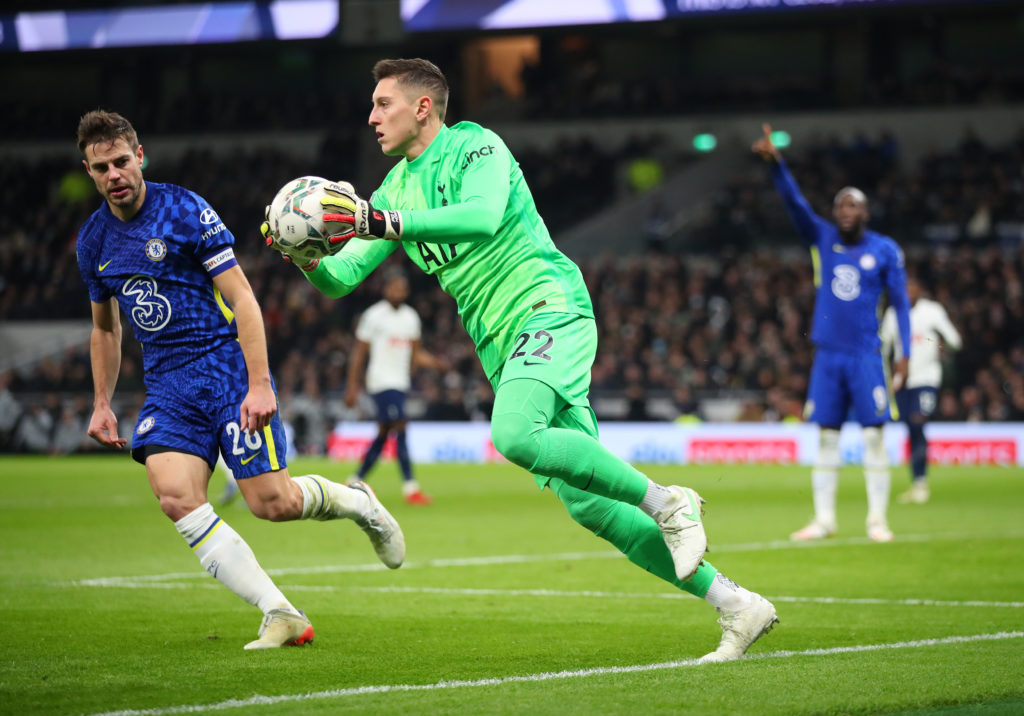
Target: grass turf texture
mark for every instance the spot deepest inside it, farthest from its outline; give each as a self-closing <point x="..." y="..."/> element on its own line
<point x="566" y="604"/>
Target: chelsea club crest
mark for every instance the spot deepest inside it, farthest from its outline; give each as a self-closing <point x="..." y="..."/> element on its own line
<point x="156" y="249"/>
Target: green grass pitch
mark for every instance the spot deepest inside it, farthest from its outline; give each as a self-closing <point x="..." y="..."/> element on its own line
<point x="506" y="606"/>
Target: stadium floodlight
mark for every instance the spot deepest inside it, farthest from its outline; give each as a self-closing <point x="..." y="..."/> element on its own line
<point x="781" y="139"/>
<point x="705" y="142"/>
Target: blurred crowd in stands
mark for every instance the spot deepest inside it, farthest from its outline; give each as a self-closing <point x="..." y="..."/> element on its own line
<point x="574" y="81"/>
<point x="972" y="195"/>
<point x="579" y="85"/>
<point x="721" y="310"/>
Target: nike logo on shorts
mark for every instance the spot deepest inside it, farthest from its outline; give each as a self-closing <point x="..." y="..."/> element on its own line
<point x="247" y="460"/>
<point x="103" y="266"/>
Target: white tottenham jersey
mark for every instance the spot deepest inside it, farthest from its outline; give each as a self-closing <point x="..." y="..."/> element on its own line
<point x="390" y="332"/>
<point x="928" y="322"/>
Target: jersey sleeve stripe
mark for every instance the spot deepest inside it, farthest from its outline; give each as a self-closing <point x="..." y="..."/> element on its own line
<point x="229" y="315"/>
<point x="816" y="264"/>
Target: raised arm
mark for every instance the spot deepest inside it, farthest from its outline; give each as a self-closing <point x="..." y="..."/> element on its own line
<point x="800" y="212"/>
<point x="105" y="355"/>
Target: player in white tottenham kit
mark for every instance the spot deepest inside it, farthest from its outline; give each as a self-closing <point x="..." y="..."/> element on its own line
<point x="389" y="332"/>
<point x="917" y="399"/>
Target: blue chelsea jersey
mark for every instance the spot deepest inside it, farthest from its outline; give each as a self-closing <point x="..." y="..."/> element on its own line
<point x="159" y="266"/>
<point x="850" y="278"/>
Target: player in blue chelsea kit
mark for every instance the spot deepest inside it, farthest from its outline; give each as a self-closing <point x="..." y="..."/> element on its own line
<point x="853" y="265"/>
<point x="162" y="253"/>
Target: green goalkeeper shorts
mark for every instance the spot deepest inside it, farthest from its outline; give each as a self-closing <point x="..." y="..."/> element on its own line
<point x="557" y="349"/>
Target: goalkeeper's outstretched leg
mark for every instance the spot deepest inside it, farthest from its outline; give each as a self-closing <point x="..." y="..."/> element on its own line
<point x="745" y="615"/>
<point x="653" y="526"/>
<point x="525" y="431"/>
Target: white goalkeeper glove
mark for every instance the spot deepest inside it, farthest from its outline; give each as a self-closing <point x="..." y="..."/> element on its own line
<point x="352" y="216"/>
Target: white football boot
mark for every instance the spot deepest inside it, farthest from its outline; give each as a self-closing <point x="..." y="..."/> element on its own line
<point x="682" y="529"/>
<point x="281" y="627"/>
<point x="813" y="531"/>
<point x="741" y="628"/>
<point x="382" y="529"/>
<point x="878" y="530"/>
<point x="918" y="494"/>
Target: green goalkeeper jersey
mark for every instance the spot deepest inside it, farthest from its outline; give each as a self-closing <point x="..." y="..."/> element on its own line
<point x="469" y="218"/>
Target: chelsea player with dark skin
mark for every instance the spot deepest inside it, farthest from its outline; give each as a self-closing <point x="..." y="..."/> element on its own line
<point x="161" y="253"/>
<point x="854" y="265"/>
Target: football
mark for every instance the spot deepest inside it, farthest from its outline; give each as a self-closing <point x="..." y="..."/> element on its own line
<point x="295" y="219"/>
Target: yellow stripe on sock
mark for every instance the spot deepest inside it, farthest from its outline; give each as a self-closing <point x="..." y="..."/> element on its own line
<point x="200" y="543"/>
<point x="271" y="449"/>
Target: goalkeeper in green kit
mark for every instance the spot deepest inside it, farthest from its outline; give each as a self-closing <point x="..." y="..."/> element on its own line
<point x="458" y="205"/>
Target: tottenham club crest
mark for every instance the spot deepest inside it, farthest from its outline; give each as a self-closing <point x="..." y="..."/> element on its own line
<point x="156" y="249"/>
<point x="145" y="425"/>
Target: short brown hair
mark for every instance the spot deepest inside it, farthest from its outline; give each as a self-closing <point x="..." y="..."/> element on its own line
<point x="102" y="126"/>
<point x="422" y="74"/>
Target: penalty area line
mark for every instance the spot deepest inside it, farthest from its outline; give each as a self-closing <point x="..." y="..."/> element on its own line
<point x="260" y="700"/>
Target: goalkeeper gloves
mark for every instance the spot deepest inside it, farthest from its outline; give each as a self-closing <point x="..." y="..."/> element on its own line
<point x="355" y="216"/>
<point x="285" y="254"/>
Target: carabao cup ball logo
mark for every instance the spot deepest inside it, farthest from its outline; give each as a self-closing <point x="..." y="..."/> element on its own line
<point x="846" y="284"/>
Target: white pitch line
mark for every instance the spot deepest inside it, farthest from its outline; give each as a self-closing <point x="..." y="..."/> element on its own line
<point x="472" y="592"/>
<point x="259" y="700"/>
<point x="557" y="557"/>
<point x="591" y="594"/>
